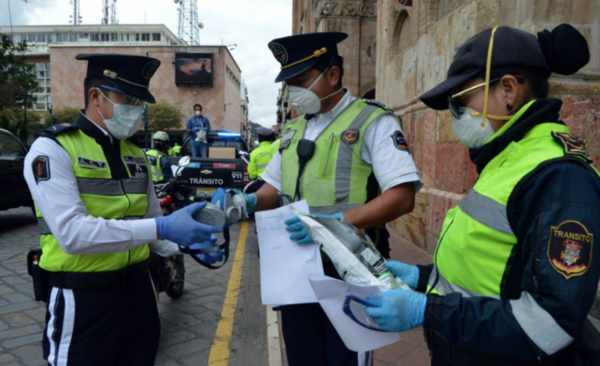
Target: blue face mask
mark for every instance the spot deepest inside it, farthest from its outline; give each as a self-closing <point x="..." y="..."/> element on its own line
<point x="126" y="119"/>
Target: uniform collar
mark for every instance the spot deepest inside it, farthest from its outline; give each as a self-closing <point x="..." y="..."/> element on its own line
<point x="91" y="129"/>
<point x="264" y="143"/>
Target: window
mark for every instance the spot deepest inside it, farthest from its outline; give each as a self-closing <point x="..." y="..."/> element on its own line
<point x="402" y="33"/>
<point x="145" y="37"/>
<point x="94" y="37"/>
<point x="125" y="37"/>
<point x="49" y="38"/>
<point x="42" y="73"/>
<point x="10" y="147"/>
<point x="156" y="37"/>
<point x="137" y="37"/>
<point x="104" y="37"/>
<point x="62" y="37"/>
<point x="41" y="37"/>
<point x="72" y="37"/>
<point x="114" y="37"/>
<point x="83" y="35"/>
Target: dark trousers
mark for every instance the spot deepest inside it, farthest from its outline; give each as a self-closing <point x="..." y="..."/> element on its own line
<point x="110" y="326"/>
<point x="311" y="339"/>
<point x="254" y="186"/>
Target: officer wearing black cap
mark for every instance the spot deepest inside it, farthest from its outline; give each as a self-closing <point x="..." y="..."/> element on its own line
<point x="515" y="271"/>
<point x="259" y="159"/>
<point x="348" y="158"/>
<point x="99" y="218"/>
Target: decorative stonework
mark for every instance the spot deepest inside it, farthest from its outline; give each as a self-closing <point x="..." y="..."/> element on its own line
<point x="348" y="8"/>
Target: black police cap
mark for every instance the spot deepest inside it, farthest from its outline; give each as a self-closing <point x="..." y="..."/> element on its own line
<point x="131" y="74"/>
<point x="299" y="53"/>
<point x="265" y="132"/>
<point x="564" y="51"/>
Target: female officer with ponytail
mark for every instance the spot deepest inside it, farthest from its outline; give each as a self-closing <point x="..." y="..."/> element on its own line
<point x="515" y="270"/>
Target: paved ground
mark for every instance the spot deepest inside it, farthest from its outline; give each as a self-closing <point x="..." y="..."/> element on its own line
<point x="189" y="325"/>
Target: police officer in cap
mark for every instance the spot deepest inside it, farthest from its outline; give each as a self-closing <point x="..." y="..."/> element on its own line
<point x="259" y="159"/>
<point x="360" y="171"/>
<point x="99" y="218"/>
<point x="515" y="270"/>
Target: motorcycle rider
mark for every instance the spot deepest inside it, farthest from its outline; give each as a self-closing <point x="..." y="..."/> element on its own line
<point x="158" y="159"/>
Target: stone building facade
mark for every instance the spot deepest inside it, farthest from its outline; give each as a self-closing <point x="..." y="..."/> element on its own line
<point x="359" y="20"/>
<point x="415" y="41"/>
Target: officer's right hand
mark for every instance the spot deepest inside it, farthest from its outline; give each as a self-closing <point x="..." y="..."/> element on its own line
<point x="407" y="273"/>
<point x="181" y="228"/>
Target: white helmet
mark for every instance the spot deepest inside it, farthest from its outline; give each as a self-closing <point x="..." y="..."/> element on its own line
<point x="161" y="136"/>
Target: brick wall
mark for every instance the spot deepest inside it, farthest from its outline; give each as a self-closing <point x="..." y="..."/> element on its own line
<point x="437" y="28"/>
<point x="68" y="75"/>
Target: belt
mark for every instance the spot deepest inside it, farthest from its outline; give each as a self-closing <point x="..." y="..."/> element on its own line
<point x="459" y="356"/>
<point x="96" y="280"/>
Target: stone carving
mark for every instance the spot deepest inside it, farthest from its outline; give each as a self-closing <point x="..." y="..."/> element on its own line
<point x="347" y="8"/>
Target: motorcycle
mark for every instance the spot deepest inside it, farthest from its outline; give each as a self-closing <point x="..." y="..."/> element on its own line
<point x="168" y="273"/>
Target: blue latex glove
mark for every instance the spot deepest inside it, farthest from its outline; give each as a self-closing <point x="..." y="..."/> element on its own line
<point x="209" y="258"/>
<point x="397" y="310"/>
<point x="250" y="199"/>
<point x="407" y="273"/>
<point x="301" y="236"/>
<point x="181" y="228"/>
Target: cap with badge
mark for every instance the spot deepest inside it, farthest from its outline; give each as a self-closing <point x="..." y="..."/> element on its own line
<point x="299" y="53"/>
<point x="563" y="50"/>
<point x="130" y="74"/>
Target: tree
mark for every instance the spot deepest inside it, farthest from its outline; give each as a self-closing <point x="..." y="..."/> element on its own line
<point x="164" y="116"/>
<point x="66" y="115"/>
<point x="19" y="84"/>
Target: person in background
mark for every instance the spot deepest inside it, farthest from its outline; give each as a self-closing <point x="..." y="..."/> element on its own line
<point x="259" y="159"/>
<point x="176" y="149"/>
<point x="195" y="124"/>
<point x="157" y="158"/>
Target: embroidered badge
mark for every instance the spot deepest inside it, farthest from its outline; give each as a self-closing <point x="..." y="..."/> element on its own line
<point x="400" y="141"/>
<point x="137" y="167"/>
<point x="149" y="69"/>
<point x="279" y="52"/>
<point x="41" y="168"/>
<point x="572" y="147"/>
<point x="91" y="163"/>
<point x="570" y="249"/>
<point x="350" y="136"/>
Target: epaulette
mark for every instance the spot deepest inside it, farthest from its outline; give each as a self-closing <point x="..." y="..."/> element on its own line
<point x="378" y="104"/>
<point x="571" y="146"/>
<point x="58" y="129"/>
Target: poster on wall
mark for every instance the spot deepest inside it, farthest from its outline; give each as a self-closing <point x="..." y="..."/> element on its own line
<point x="194" y="68"/>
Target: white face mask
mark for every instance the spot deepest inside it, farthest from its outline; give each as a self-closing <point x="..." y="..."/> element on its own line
<point x="126" y="120"/>
<point x="198" y="113"/>
<point x="305" y="100"/>
<point x="469" y="128"/>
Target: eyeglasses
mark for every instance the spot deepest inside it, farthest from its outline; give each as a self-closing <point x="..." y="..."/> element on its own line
<point x="124" y="98"/>
<point x="455" y="105"/>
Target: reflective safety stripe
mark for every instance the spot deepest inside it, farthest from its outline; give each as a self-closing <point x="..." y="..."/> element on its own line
<point x="44" y="228"/>
<point x="343" y="168"/>
<point x="263" y="166"/>
<point x="335" y="208"/>
<point x="539" y="325"/>
<point x="139" y="186"/>
<point x="156" y="175"/>
<point x="486" y="211"/>
<point x="100" y="187"/>
<point x="444" y="287"/>
<point x="111" y="187"/>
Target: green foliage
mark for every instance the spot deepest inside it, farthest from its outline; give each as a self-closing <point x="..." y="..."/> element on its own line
<point x="65" y="115"/>
<point x="164" y="116"/>
<point x="12" y="119"/>
<point x="17" y="76"/>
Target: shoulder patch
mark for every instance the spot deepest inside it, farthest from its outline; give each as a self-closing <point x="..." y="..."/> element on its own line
<point x="378" y="104"/>
<point x="570" y="249"/>
<point x="60" y="128"/>
<point x="400" y="142"/>
<point x="41" y="168"/>
<point x="572" y="147"/>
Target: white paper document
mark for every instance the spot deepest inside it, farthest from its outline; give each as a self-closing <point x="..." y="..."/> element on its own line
<point x="331" y="294"/>
<point x="285" y="265"/>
